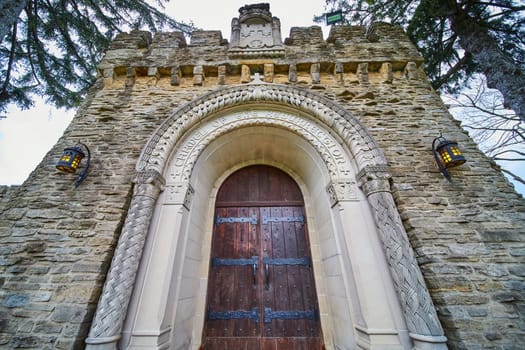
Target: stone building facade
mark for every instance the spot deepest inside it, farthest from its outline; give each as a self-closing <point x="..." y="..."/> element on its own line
<point x="401" y="257"/>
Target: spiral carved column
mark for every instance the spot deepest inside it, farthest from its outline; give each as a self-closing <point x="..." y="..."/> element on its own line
<point x="113" y="303"/>
<point x="420" y="315"/>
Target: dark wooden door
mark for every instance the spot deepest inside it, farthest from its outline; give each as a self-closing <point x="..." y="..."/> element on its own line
<point x="261" y="292"/>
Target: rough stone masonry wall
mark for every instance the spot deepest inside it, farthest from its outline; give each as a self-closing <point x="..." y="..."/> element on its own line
<point x="56" y="243"/>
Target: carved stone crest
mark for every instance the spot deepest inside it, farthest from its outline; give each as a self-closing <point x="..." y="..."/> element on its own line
<point x="256" y="32"/>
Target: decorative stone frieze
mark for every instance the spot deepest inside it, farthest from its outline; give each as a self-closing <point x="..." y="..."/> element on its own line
<point x="349" y="129"/>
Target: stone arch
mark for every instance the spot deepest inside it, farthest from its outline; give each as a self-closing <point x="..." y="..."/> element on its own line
<point x="215" y="111"/>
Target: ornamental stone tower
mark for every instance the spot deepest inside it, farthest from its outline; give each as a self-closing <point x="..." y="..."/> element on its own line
<point x="257" y="193"/>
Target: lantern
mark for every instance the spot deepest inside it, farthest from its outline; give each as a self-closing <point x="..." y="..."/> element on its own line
<point x="447" y="155"/>
<point x="70" y="161"/>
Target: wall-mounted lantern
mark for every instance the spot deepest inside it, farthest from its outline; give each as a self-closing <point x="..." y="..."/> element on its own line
<point x="70" y="161"/>
<point x="447" y="155"/>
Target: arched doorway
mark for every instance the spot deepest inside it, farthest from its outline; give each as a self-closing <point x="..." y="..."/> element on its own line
<point x="155" y="292"/>
<point x="261" y="292"/>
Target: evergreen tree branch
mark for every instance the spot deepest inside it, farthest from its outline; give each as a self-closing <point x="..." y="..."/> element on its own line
<point x="4" y="95"/>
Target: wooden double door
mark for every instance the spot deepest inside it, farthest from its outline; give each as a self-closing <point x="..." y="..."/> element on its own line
<point x="261" y="292"/>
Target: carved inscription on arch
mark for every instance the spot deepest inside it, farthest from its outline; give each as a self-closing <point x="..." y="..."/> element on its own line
<point x="325" y="144"/>
<point x="363" y="148"/>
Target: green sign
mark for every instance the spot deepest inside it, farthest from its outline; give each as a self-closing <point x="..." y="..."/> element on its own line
<point x="334" y="17"/>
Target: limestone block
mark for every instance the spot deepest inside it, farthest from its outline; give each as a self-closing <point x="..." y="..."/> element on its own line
<point x="198" y="75"/>
<point x="339" y="72"/>
<point x="411" y="72"/>
<point x="315" y="73"/>
<point x="386" y="72"/>
<point x="268" y="72"/>
<point x="362" y="73"/>
<point x="221" y="75"/>
<point x="175" y="75"/>
<point x="292" y="73"/>
<point x="245" y="74"/>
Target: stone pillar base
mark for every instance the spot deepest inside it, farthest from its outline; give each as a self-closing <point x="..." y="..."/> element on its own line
<point x="107" y="343"/>
<point x="428" y="342"/>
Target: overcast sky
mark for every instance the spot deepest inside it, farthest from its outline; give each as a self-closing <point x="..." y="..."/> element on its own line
<point x="26" y="136"/>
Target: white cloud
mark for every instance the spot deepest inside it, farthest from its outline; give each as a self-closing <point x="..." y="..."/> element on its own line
<point x="25" y="138"/>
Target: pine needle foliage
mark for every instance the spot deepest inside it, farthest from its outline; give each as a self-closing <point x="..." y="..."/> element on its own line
<point x="50" y="48"/>
<point x="457" y="38"/>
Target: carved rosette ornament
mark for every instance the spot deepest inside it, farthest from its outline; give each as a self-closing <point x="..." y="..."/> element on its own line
<point x="421" y="317"/>
<point x="112" y="306"/>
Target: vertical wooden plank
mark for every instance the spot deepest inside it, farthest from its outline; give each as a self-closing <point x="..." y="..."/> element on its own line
<point x="280" y="279"/>
<point x="294" y="274"/>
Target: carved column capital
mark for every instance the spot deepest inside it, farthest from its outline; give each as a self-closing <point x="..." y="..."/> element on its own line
<point x="374" y="179"/>
<point x="148" y="183"/>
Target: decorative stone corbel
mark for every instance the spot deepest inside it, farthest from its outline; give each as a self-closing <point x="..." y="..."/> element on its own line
<point x="315" y="73"/>
<point x="268" y="72"/>
<point x="411" y="71"/>
<point x="339" y="72"/>
<point x="386" y="72"/>
<point x="245" y="74"/>
<point x="221" y="75"/>
<point x="113" y="303"/>
<point x="198" y="75"/>
<point x="420" y="315"/>
<point x="131" y="75"/>
<point x="175" y="75"/>
<point x="362" y="73"/>
<point x="109" y="76"/>
<point x="292" y="73"/>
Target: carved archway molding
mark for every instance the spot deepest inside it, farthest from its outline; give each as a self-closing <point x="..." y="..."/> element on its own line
<point x="373" y="178"/>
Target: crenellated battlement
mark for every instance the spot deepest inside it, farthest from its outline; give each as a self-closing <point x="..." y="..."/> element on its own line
<point x="211" y="59"/>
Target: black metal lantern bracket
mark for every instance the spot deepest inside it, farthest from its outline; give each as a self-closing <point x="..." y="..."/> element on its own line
<point x="447" y="155"/>
<point x="70" y="161"/>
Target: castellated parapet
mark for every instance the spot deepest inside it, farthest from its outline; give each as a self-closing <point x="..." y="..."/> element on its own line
<point x="57" y="243"/>
<point x="210" y="60"/>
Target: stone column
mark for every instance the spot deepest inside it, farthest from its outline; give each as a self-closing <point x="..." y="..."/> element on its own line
<point x="113" y="303"/>
<point x="420" y="315"/>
